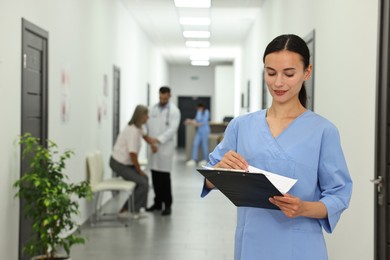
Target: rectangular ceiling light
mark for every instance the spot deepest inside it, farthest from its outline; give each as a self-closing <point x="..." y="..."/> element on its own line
<point x="196" y="34"/>
<point x="199" y="57"/>
<point x="194" y="20"/>
<point x="200" y="63"/>
<point x="193" y="3"/>
<point x="198" y="44"/>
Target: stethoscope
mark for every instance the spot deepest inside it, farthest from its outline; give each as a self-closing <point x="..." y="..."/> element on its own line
<point x="168" y="112"/>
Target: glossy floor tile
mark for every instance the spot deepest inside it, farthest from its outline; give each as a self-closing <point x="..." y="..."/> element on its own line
<point x="199" y="228"/>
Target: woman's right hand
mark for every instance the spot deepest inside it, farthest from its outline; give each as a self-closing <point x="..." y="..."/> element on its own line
<point x="232" y="160"/>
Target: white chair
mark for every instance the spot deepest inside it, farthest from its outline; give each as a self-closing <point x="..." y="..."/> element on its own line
<point x="99" y="185"/>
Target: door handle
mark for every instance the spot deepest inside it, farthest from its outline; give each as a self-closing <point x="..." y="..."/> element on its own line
<point x="378" y="183"/>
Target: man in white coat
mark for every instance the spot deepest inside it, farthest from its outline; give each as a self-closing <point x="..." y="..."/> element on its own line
<point x="164" y="120"/>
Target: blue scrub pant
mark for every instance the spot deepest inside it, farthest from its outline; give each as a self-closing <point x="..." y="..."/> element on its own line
<point x="201" y="138"/>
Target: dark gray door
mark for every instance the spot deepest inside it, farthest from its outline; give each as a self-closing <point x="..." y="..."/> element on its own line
<point x="382" y="156"/>
<point x="34" y="100"/>
<point x="116" y="103"/>
<point x="116" y="108"/>
<point x="187" y="106"/>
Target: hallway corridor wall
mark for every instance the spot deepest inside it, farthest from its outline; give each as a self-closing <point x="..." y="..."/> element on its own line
<point x="86" y="38"/>
<point x="346" y="36"/>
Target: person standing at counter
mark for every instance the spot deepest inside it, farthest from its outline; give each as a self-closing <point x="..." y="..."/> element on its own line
<point x="201" y="139"/>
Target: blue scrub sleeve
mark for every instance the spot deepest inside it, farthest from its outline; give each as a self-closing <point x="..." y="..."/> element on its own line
<point x="205" y="190"/>
<point x="334" y="179"/>
<point x="228" y="143"/>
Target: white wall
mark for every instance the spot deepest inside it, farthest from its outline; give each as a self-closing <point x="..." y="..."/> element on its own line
<point x="252" y="65"/>
<point x="345" y="87"/>
<point x="86" y="38"/>
<point x="224" y="92"/>
<point x="186" y="80"/>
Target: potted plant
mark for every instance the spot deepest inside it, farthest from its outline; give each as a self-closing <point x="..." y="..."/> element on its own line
<point x="49" y="198"/>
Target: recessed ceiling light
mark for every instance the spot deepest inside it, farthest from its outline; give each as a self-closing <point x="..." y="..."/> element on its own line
<point x="198" y="44"/>
<point x="196" y="34"/>
<point x="194" y="20"/>
<point x="199" y="57"/>
<point x="200" y="63"/>
<point x="193" y="3"/>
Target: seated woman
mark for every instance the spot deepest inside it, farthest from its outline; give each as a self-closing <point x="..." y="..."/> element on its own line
<point x="124" y="158"/>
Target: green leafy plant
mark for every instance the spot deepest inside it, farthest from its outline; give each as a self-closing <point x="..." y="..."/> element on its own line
<point x="49" y="198"/>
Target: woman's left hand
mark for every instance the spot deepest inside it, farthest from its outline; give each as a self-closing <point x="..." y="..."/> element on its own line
<point x="290" y="205"/>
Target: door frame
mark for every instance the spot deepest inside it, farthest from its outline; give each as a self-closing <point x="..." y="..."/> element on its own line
<point x="28" y="29"/>
<point x="116" y="102"/>
<point x="382" y="140"/>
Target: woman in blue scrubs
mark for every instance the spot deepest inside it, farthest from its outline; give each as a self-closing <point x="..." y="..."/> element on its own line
<point x="201" y="139"/>
<point x="292" y="141"/>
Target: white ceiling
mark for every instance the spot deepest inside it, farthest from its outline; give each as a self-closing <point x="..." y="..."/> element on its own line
<point x="230" y="22"/>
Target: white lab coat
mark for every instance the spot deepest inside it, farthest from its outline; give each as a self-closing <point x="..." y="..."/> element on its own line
<point x="163" y="124"/>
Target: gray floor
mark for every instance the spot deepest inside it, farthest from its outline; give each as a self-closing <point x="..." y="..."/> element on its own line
<point x="197" y="229"/>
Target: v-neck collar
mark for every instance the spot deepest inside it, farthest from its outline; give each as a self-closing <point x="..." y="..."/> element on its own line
<point x="286" y="129"/>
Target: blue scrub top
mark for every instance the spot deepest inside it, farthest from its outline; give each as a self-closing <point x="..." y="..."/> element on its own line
<point x="309" y="150"/>
<point x="203" y="118"/>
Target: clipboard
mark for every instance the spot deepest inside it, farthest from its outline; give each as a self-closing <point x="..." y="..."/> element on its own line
<point x="244" y="189"/>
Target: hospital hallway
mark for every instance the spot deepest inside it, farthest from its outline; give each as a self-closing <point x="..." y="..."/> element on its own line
<point x="199" y="228"/>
